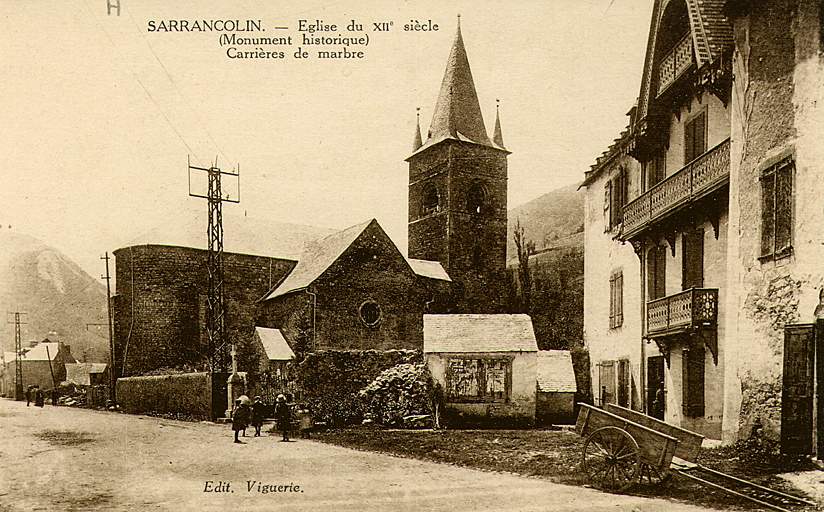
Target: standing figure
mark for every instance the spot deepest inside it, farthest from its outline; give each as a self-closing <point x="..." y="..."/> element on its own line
<point x="257" y="415"/>
<point x="38" y="397"/>
<point x="240" y="418"/>
<point x="283" y="415"/>
<point x="29" y="395"/>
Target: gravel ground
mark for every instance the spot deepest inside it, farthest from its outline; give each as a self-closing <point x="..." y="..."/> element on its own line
<point x="57" y="459"/>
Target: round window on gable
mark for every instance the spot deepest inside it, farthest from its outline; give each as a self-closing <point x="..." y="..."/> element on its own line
<point x="477" y="201"/>
<point x="370" y="313"/>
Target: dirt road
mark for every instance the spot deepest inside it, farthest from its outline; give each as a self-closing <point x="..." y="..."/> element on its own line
<point x="56" y="459"/>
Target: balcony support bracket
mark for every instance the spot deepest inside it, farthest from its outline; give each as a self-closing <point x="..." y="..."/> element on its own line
<point x="709" y="337"/>
<point x="663" y="347"/>
<point x="715" y="219"/>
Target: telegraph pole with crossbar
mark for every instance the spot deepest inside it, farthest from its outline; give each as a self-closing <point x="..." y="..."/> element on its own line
<point x="218" y="353"/>
<point x="18" y="354"/>
<point x="112" y="376"/>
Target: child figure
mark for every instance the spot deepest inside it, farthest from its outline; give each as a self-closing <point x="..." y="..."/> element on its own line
<point x="240" y="418"/>
<point x="257" y="415"/>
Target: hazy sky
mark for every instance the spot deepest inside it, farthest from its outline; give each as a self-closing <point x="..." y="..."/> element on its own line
<point x="99" y="115"/>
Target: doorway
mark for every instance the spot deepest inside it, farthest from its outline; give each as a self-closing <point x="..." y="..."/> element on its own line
<point x="656" y="390"/>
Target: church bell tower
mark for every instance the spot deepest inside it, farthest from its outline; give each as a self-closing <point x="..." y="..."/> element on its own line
<point x="457" y="192"/>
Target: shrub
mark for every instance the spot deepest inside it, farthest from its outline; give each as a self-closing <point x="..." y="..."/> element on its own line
<point x="187" y="394"/>
<point x="399" y="391"/>
<point x="331" y="379"/>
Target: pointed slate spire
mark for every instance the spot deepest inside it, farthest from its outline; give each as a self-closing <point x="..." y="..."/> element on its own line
<point x="498" y="137"/>
<point x="457" y="110"/>
<point x="417" y="143"/>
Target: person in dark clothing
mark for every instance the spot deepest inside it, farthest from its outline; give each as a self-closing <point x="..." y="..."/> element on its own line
<point x="240" y="418"/>
<point x="257" y="415"/>
<point x="38" y="397"/>
<point x="283" y="415"/>
<point x="54" y="396"/>
<point x="29" y="395"/>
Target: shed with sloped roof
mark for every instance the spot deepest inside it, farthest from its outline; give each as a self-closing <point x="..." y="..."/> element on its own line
<point x="486" y="365"/>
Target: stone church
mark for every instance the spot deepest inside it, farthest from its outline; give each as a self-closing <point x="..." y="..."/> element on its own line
<point x="351" y="289"/>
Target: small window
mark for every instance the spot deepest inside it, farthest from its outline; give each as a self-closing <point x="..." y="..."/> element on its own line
<point x="695" y="137"/>
<point x="776" y="210"/>
<point x="370" y="313"/>
<point x="431" y="200"/>
<point x="616" y="300"/>
<point x="476" y="199"/>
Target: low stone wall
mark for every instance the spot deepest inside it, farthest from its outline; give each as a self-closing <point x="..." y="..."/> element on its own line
<point x="185" y="394"/>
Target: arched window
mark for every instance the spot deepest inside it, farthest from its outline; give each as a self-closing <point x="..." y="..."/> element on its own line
<point x="431" y="200"/>
<point x="477" y="201"/>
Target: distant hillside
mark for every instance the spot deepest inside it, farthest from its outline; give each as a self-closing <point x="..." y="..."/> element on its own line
<point x="59" y="297"/>
<point x="550" y="220"/>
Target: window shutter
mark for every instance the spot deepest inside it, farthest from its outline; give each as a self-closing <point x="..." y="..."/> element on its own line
<point x="607" y="201"/>
<point x="767" y="214"/>
<point x="660" y="286"/>
<point x="700" y="142"/>
<point x="693" y="259"/>
<point x="689" y="141"/>
<point x="783" y="208"/>
<point x="619" y="299"/>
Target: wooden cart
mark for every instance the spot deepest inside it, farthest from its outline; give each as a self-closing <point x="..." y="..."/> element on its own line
<point x="618" y="451"/>
<point x="624" y="447"/>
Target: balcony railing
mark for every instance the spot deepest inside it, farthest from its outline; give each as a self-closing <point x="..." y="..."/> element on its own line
<point x="675" y="63"/>
<point x="690" y="182"/>
<point x="683" y="311"/>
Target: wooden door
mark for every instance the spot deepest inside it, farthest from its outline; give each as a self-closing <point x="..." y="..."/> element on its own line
<point x="797" y="389"/>
<point x="656" y="391"/>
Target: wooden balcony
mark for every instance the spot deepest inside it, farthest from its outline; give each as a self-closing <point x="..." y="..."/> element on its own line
<point x="685" y="311"/>
<point x="675" y="63"/>
<point x="695" y="180"/>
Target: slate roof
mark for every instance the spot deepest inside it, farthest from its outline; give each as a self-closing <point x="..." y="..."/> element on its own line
<point x="274" y="344"/>
<point x="555" y="373"/>
<point x="316" y="258"/>
<point x="39" y="353"/>
<point x="430" y="269"/>
<point x="478" y="333"/>
<point x="457" y="113"/>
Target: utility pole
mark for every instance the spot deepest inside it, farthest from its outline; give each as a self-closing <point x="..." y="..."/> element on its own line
<point x="18" y="353"/>
<point x="107" y="277"/>
<point x="218" y="353"/>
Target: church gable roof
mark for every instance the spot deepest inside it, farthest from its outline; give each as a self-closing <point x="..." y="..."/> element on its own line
<point x="319" y="256"/>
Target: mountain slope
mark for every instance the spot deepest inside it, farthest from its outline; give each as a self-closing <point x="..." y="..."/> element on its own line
<point x="550" y="220"/>
<point x="59" y="298"/>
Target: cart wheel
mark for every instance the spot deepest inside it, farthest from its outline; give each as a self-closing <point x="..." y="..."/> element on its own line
<point x="612" y="460"/>
<point x="652" y="476"/>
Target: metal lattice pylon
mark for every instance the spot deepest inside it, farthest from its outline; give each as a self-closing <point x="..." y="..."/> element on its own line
<point x="218" y="353"/>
